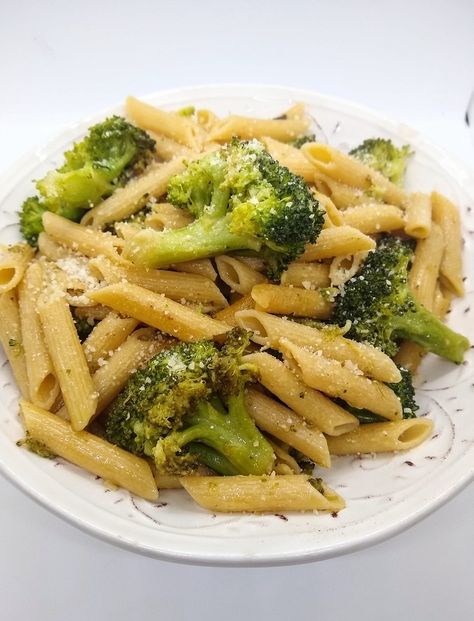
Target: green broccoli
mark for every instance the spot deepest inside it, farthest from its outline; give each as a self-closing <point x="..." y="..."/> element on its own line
<point x="382" y="310"/>
<point x="187" y="407"/>
<point x="382" y="155"/>
<point x="404" y="390"/>
<point x="112" y="152"/>
<point x="242" y="199"/>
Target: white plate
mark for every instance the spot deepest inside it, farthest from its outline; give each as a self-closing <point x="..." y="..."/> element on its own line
<point x="384" y="495"/>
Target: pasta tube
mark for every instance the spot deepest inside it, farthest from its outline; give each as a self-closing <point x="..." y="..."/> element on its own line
<point x="13" y="264"/>
<point x="345" y="169"/>
<point x="339" y="380"/>
<point x="268" y="330"/>
<point x="291" y="301"/>
<point x="12" y="341"/>
<point x="294" y="492"/>
<point x="159" y="311"/>
<point x="284" y="424"/>
<point x="311" y="405"/>
<point x="446" y="215"/>
<point x="337" y="241"/>
<point x="89" y="452"/>
<point x="382" y="437"/>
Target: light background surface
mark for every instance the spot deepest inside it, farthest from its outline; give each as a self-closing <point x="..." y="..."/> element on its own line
<point x="60" y="61"/>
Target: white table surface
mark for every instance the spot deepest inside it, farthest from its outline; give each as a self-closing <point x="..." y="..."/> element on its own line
<point x="60" y="61"/>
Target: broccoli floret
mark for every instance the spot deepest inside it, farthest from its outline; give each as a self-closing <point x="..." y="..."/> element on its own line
<point x="242" y="199"/>
<point x="382" y="310"/>
<point x="382" y="155"/>
<point x="404" y="390"/>
<point x="112" y="152"/>
<point x="301" y="140"/>
<point x="186" y="398"/>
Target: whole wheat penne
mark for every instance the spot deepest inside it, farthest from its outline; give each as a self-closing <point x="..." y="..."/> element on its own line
<point x="306" y="275"/>
<point x="52" y="249"/>
<point x="13" y="263"/>
<point x="382" y="437"/>
<point x="249" y="128"/>
<point x="126" y="201"/>
<point x="333" y="217"/>
<point x="424" y="271"/>
<point x="262" y="494"/>
<point x="348" y="170"/>
<point x="202" y="267"/>
<point x="446" y="215"/>
<point x="82" y="239"/>
<point x="175" y="285"/>
<point x="337" y="241"/>
<point x="340" y="194"/>
<point x="69" y="361"/>
<point x="239" y="276"/>
<point x="284" y="424"/>
<point x="170" y="124"/>
<point x="159" y="311"/>
<point x="228" y="314"/>
<point x="268" y="330"/>
<point x="283" y="300"/>
<point x="166" y="216"/>
<point x="290" y="157"/>
<point x="12" y="340"/>
<point x="311" y="405"/>
<point x="339" y="380"/>
<point x="89" y="451"/>
<point x="106" y="336"/>
<point x="167" y="148"/>
<point x="418" y="215"/>
<point x="374" y="218"/>
<point x="42" y="379"/>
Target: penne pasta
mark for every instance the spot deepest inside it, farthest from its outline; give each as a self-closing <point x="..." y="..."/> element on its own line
<point x="126" y="201"/>
<point x="262" y="494"/>
<point x="268" y="330"/>
<point x="311" y="405"/>
<point x="446" y="215"/>
<point x="382" y="437"/>
<point x="170" y="124"/>
<point x="203" y="267"/>
<point x="12" y="340"/>
<point x="90" y="452"/>
<point x="290" y="157"/>
<point x="228" y="314"/>
<point x="424" y="271"/>
<point x="104" y="339"/>
<point x="341" y="381"/>
<point x="337" y="241"/>
<point x="333" y="216"/>
<point x="249" y="128"/>
<point x="68" y="358"/>
<point x="82" y="239"/>
<point x="166" y="216"/>
<point x="306" y="275"/>
<point x="340" y="194"/>
<point x="374" y="218"/>
<point x="347" y="170"/>
<point x="159" y="311"/>
<point x="13" y="263"/>
<point x="283" y="300"/>
<point x="240" y="277"/>
<point x="343" y="268"/>
<point x="418" y="215"/>
<point x="175" y="285"/>
<point x="42" y="379"/>
<point x="284" y="424"/>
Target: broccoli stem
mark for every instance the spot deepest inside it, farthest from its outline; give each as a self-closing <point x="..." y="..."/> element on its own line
<point x="211" y="458"/>
<point x="423" y="328"/>
<point x="205" y="237"/>
<point x="233" y="435"/>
